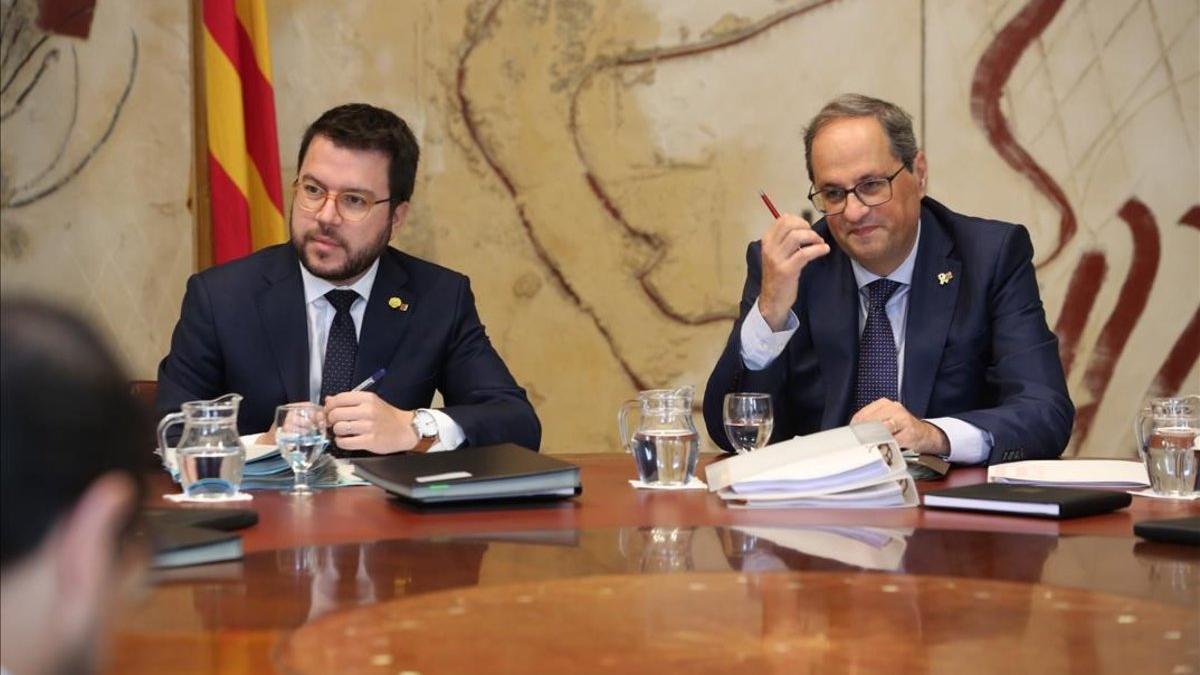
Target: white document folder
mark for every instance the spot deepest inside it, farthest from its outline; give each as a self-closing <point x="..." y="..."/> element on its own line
<point x="836" y="460"/>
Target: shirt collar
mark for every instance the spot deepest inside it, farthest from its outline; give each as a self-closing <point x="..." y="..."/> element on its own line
<point x="316" y="287"/>
<point x="902" y="274"/>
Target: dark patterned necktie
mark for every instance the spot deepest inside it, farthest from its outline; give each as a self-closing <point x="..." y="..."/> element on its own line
<point x="341" y="348"/>
<point x="877" y="375"/>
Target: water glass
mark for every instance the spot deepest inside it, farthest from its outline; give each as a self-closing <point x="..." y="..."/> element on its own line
<point x="749" y="420"/>
<point x="300" y="434"/>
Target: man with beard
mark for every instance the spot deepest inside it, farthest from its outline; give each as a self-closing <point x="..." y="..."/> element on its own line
<point x="74" y="439"/>
<point x="893" y="308"/>
<point x="311" y="319"/>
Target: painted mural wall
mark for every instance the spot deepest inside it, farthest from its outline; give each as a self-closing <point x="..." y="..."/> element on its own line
<point x="594" y="166"/>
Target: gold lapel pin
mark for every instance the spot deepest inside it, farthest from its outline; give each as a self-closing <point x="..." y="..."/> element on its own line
<point x="945" y="278"/>
<point x="397" y="303"/>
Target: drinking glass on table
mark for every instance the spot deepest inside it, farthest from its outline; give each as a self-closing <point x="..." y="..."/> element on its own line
<point x="300" y="434"/>
<point x="749" y="420"/>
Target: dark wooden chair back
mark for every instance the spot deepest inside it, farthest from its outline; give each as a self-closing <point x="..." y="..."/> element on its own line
<point x="145" y="391"/>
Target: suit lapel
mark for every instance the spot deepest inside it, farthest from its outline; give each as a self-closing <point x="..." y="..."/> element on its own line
<point x="833" y="318"/>
<point x="384" y="325"/>
<point x="936" y="282"/>
<point x="285" y="322"/>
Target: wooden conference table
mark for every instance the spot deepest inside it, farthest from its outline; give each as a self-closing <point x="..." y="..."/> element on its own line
<point x="621" y="581"/>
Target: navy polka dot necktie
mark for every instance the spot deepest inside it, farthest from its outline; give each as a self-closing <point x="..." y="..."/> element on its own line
<point x="341" y="348"/>
<point x="877" y="373"/>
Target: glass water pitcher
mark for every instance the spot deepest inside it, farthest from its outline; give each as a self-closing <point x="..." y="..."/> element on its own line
<point x="1166" y="431"/>
<point x="209" y="458"/>
<point x="662" y="437"/>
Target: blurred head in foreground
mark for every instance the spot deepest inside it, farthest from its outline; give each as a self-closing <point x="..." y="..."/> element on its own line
<point x="73" y="436"/>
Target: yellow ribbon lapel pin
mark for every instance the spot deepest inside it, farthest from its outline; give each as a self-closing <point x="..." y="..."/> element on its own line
<point x="397" y="303"/>
<point x="945" y="278"/>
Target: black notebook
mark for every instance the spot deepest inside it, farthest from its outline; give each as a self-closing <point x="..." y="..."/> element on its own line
<point x="191" y="516"/>
<point x="180" y="546"/>
<point x="1030" y="500"/>
<point x="192" y="536"/>
<point x="488" y="472"/>
<point x="1175" y="530"/>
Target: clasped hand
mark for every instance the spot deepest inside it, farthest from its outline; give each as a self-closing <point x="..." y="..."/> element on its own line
<point x="360" y="420"/>
<point x="909" y="431"/>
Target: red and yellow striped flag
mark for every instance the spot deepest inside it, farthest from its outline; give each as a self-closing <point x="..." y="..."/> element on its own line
<point x="246" y="195"/>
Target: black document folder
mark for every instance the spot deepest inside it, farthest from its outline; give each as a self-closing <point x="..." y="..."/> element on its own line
<point x="1175" y="530"/>
<point x="181" y="546"/>
<point x="190" y="536"/>
<point x="488" y="472"/>
<point x="1028" y="500"/>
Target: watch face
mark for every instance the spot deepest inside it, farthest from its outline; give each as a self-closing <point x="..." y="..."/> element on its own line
<point x="425" y="424"/>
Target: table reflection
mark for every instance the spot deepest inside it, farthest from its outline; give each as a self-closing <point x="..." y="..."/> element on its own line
<point x="288" y="587"/>
<point x="1170" y="566"/>
<point x="752" y="549"/>
<point x="658" y="549"/>
<point x="784" y="622"/>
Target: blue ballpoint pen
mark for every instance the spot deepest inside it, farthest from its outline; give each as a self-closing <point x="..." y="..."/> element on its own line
<point x="375" y="377"/>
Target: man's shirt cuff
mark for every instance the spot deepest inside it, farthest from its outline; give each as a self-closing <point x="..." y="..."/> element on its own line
<point x="760" y="345"/>
<point x="968" y="443"/>
<point x="450" y="435"/>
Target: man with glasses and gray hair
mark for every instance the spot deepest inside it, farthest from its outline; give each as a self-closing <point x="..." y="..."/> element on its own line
<point x="893" y="308"/>
<point x="311" y="319"/>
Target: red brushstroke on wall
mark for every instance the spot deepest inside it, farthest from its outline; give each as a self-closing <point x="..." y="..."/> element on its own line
<point x="1131" y="303"/>
<point x="1186" y="350"/>
<point x="1192" y="217"/>
<point x="1180" y="361"/>
<point x="991" y="75"/>
<point x="1077" y="307"/>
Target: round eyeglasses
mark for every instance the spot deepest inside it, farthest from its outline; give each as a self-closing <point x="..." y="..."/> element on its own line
<point x="871" y="192"/>
<point x="351" y="205"/>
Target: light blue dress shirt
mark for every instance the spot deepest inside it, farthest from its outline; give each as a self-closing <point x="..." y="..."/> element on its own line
<point x="760" y="347"/>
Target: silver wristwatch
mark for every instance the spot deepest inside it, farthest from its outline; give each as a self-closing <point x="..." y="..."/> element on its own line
<point x="424" y="424"/>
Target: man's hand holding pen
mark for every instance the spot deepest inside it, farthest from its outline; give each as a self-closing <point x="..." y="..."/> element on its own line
<point x="787" y="246"/>
<point x="360" y="420"/>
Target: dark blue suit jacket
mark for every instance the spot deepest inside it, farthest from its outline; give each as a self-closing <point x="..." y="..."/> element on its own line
<point x="977" y="348"/>
<point x="243" y="328"/>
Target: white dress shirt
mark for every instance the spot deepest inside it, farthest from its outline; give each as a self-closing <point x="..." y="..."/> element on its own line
<point x="760" y="347"/>
<point x="320" y="317"/>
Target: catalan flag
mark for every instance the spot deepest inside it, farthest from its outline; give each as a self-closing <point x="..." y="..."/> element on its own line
<point x="245" y="191"/>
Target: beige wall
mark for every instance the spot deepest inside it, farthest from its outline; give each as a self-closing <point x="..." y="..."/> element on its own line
<point x="94" y="169"/>
<point x="634" y="136"/>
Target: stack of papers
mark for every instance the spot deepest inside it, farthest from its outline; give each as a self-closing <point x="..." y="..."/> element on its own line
<point x="266" y="469"/>
<point x="852" y="467"/>
<point x="1093" y="473"/>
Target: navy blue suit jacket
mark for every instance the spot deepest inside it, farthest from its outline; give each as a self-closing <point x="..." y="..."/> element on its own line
<point x="243" y="328"/>
<point x="976" y="348"/>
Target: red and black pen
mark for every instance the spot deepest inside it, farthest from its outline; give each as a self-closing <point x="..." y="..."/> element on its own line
<point x="767" y="200"/>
